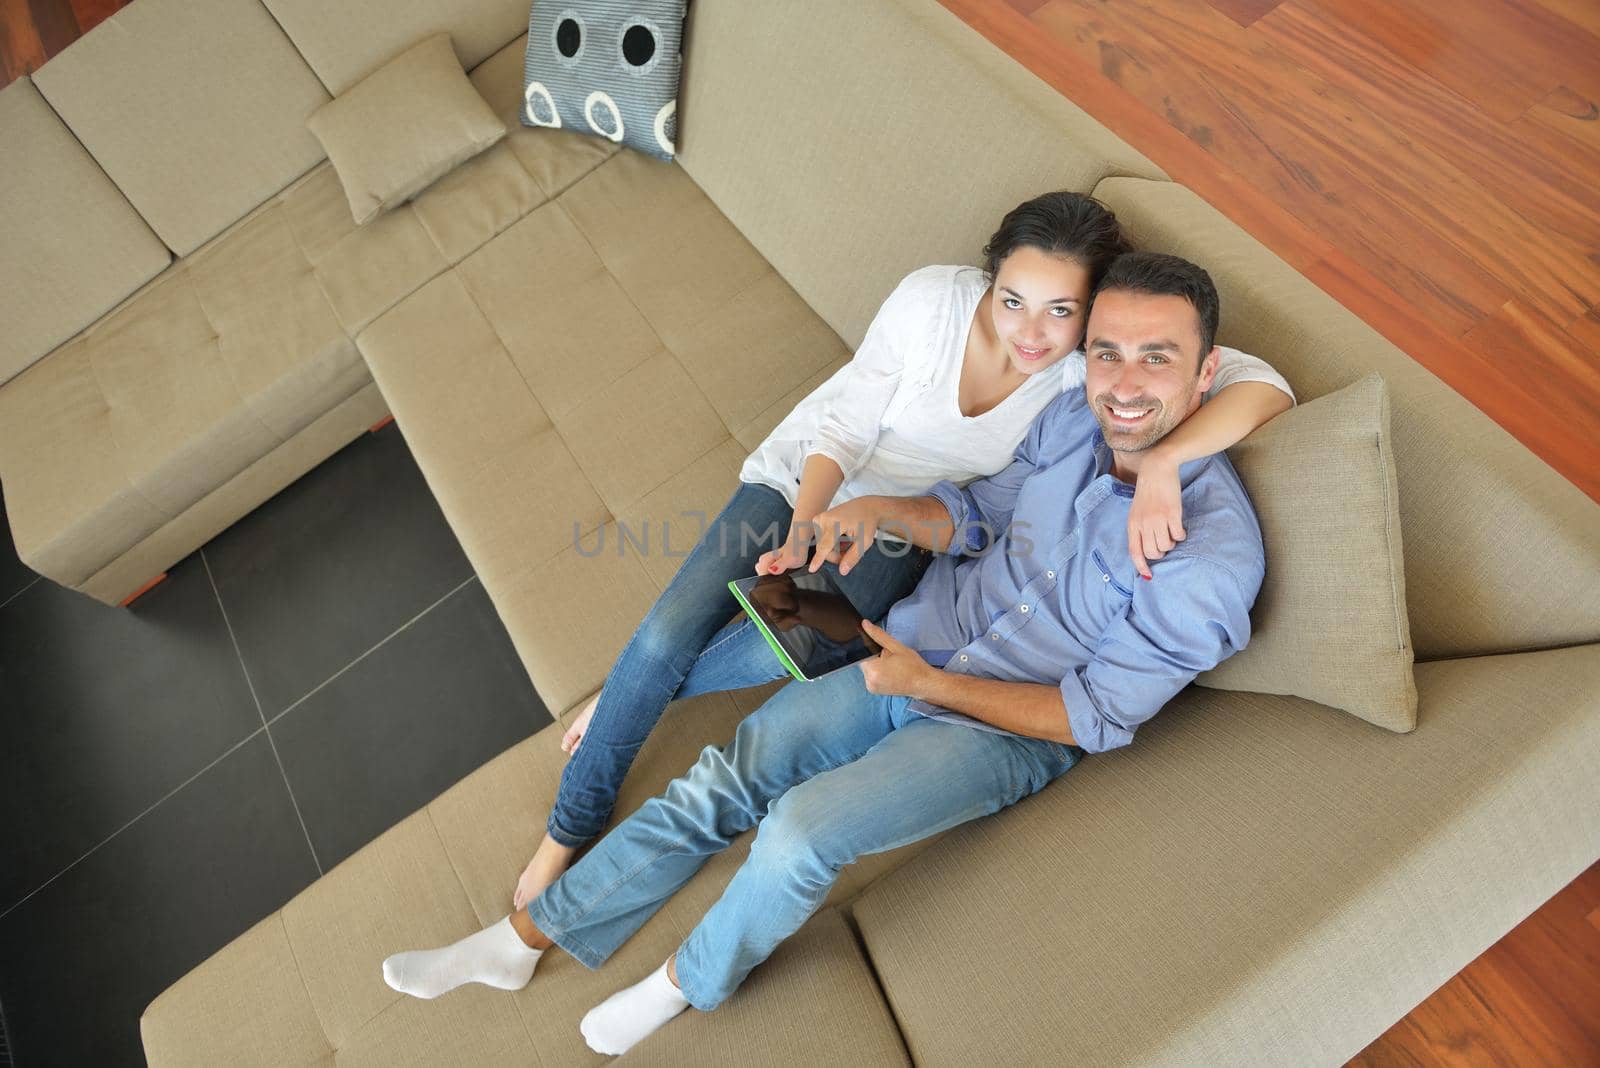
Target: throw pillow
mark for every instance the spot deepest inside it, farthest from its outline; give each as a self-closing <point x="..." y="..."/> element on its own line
<point x="608" y="68"/>
<point x="408" y="123"/>
<point x="1330" y="622"/>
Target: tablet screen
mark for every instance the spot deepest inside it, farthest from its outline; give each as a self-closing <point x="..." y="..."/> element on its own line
<point x="809" y="622"/>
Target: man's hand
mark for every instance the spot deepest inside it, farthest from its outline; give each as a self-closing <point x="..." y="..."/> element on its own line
<point x="897" y="671"/>
<point x="845" y="533"/>
<point x="1155" y="520"/>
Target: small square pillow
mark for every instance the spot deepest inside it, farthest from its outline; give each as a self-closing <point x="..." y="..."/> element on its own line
<point x="608" y="68"/>
<point x="1330" y="622"/>
<point x="405" y="125"/>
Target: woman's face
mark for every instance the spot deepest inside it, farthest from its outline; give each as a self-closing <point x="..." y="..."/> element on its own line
<point x="1038" y="303"/>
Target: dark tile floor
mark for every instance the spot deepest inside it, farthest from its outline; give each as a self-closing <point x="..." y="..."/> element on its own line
<point x="177" y="770"/>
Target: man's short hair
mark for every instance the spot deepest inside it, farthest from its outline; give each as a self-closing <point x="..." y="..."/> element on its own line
<point x="1162" y="275"/>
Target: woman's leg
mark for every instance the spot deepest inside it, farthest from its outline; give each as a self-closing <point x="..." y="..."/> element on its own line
<point x="655" y="661"/>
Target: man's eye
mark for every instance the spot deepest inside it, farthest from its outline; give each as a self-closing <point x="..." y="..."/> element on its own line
<point x="1155" y="357"/>
<point x="1105" y="355"/>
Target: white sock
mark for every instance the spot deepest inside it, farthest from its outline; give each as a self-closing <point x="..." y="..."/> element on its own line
<point x="618" y="1023"/>
<point x="495" y="956"/>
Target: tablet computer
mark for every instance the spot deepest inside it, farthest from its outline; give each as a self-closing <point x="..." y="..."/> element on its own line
<point x="811" y="625"/>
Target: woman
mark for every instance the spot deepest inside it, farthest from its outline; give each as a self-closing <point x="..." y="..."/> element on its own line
<point x="954" y="367"/>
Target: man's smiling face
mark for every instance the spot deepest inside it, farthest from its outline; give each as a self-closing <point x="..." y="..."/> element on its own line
<point x="1143" y="351"/>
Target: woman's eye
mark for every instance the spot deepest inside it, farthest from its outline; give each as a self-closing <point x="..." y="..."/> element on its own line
<point x="1065" y="313"/>
<point x="1012" y="302"/>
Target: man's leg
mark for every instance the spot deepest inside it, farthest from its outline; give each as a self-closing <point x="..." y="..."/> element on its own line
<point x="925" y="777"/>
<point x="803" y="730"/>
<point x="605" y="897"/>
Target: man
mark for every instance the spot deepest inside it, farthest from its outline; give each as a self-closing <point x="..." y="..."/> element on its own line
<point x="1028" y="643"/>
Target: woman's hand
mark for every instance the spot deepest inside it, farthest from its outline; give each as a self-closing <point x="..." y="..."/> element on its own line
<point x="574" y="735"/>
<point x="1155" y="521"/>
<point x="790" y="555"/>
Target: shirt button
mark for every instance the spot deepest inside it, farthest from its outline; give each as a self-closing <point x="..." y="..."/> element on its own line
<point x="1105" y="578"/>
<point x="963" y="656"/>
<point x="1024" y="608"/>
<point x="1050" y="574"/>
<point x="994" y="637"/>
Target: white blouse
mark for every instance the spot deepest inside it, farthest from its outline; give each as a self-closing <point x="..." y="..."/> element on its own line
<point x="891" y="417"/>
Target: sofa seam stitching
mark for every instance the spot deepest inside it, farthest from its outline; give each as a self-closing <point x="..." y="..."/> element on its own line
<point x="300" y="973"/>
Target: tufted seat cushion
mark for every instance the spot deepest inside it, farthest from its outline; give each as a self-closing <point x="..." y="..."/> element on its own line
<point x="233" y="371"/>
<point x="304" y="985"/>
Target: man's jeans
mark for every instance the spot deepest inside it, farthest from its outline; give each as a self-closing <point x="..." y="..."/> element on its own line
<point x="687" y="646"/>
<point x="845" y="772"/>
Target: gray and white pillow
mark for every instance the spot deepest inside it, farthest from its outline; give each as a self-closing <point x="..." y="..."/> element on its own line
<point x="608" y="68"/>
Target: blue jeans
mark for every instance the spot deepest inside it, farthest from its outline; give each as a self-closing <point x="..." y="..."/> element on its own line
<point x="687" y="646"/>
<point x="845" y="773"/>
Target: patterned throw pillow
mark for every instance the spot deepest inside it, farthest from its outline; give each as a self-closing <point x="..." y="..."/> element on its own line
<point x="608" y="68"/>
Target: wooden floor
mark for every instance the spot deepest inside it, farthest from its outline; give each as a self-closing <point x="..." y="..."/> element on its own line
<point x="1434" y="166"/>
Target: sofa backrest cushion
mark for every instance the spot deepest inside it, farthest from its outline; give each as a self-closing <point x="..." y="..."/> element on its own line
<point x="923" y="136"/>
<point x="346" y="41"/>
<point x="73" y="244"/>
<point x="404" y="126"/>
<point x="1501" y="553"/>
<point x="1330" y="621"/>
<point x="196" y="111"/>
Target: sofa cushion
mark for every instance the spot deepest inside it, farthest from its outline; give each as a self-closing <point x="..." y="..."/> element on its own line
<point x="73" y="245"/>
<point x="535" y="448"/>
<point x="929" y="136"/>
<point x="345" y="42"/>
<point x="196" y="111"/>
<point x="399" y="129"/>
<point x="1259" y="880"/>
<point x="1330" y="621"/>
<point x="555" y="158"/>
<point x="315" y="967"/>
<point x="1501" y="552"/>
<point x="606" y="69"/>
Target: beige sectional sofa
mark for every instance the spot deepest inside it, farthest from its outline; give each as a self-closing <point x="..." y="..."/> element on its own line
<point x="575" y="340"/>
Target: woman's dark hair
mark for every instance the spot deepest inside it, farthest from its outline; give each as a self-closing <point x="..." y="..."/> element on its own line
<point x="1061" y="224"/>
<point x="1161" y="275"/>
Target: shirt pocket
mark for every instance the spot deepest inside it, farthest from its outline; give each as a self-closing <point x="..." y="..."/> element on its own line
<point x="1118" y="585"/>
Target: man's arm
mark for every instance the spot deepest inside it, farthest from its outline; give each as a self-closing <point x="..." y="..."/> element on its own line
<point x="1034" y="709"/>
<point x="1030" y="708"/>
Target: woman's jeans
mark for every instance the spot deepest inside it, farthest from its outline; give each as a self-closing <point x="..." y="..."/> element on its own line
<point x="845" y="773"/>
<point x="687" y="646"/>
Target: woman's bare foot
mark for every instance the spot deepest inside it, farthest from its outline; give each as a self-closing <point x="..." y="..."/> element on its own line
<point x="549" y="861"/>
<point x="574" y="735"/>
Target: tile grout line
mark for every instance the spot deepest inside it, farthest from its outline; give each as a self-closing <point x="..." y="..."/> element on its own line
<point x="22" y="591"/>
<point x="152" y="807"/>
<point x="393" y="634"/>
<point x="239" y="655"/>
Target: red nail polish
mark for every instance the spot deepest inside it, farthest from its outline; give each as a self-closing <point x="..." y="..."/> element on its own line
<point x="1147" y="578"/>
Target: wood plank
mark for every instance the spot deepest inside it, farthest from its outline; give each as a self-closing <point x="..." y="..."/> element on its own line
<point x="21" y="51"/>
<point x="1552" y="186"/>
<point x="1244" y="12"/>
<point x="1501" y="57"/>
<point x="54" y="22"/>
<point x="1567" y="114"/>
<point x="90" y="13"/>
<point x="1166" y="53"/>
<point x="1582" y="13"/>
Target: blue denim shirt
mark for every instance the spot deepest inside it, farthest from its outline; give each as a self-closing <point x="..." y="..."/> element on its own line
<point x="1037" y="585"/>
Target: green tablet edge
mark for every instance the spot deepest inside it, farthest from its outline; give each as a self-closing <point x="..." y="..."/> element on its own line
<point x="783" y="654"/>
